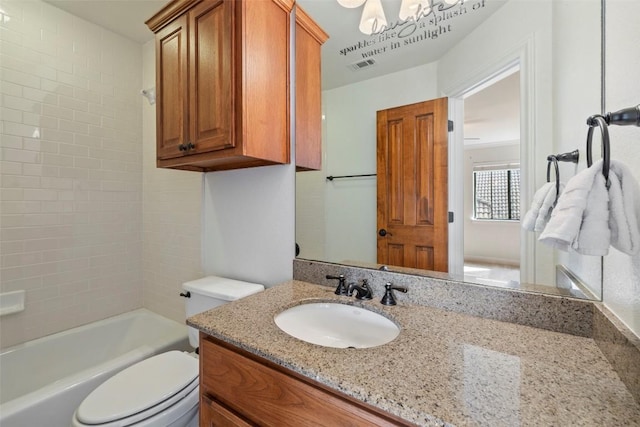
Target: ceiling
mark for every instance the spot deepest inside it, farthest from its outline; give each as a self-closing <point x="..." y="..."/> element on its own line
<point x="124" y="17"/>
<point x="403" y="46"/>
<point x="492" y="115"/>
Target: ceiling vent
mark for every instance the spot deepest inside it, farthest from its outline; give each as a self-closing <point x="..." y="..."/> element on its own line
<point x="362" y="64"/>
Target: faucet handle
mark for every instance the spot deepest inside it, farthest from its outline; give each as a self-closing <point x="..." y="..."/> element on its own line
<point x="342" y="287"/>
<point x="389" y="298"/>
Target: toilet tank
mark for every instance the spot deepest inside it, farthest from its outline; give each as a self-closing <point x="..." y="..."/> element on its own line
<point x="212" y="291"/>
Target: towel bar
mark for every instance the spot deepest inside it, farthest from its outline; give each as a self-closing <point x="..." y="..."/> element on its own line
<point x="331" y="178"/>
<point x="572" y="157"/>
<point x="625" y="117"/>
<point x="601" y="122"/>
<point x="554" y="160"/>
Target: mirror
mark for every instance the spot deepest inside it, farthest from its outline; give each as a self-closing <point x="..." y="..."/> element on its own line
<point x="549" y="51"/>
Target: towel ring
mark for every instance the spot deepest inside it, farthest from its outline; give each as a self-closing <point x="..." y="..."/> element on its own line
<point x="554" y="160"/>
<point x="599" y="121"/>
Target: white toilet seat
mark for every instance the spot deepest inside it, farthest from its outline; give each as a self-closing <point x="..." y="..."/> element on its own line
<point x="156" y="391"/>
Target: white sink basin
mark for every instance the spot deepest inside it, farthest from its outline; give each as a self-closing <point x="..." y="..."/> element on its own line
<point x="337" y="325"/>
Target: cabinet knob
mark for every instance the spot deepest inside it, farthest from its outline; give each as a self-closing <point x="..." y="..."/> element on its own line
<point x="182" y="147"/>
<point x="190" y="146"/>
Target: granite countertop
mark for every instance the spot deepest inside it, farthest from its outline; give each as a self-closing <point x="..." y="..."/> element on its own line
<point x="444" y="368"/>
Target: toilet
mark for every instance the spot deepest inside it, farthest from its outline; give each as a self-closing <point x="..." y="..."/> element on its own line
<point x="161" y="391"/>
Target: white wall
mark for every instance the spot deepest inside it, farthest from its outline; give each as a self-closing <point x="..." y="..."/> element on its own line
<point x="576" y="96"/>
<point x="492" y="241"/>
<point x="171" y="217"/>
<point x="518" y="31"/>
<point x="622" y="272"/>
<point x="350" y="145"/>
<point x="90" y="227"/>
<point x="249" y="217"/>
<point x="71" y="196"/>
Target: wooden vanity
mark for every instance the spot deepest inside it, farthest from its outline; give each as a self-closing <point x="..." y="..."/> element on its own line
<point x="240" y="389"/>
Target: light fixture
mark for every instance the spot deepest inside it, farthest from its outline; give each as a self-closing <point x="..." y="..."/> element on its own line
<point x="414" y="9"/>
<point x="373" y="19"/>
<point x="350" y="4"/>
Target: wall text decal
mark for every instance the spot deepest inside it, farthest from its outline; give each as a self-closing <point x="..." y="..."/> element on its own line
<point x="396" y="35"/>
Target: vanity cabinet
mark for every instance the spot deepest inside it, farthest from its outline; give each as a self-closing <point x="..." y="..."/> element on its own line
<point x="309" y="40"/>
<point x="240" y="389"/>
<point x="222" y="83"/>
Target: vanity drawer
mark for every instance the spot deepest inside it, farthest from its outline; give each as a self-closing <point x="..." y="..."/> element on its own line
<point x="214" y="414"/>
<point x="270" y="395"/>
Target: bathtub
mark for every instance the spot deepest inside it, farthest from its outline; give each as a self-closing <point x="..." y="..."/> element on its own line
<point x="43" y="381"/>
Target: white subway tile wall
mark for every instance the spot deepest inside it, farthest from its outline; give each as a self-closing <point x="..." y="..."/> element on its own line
<point x="172" y="217"/>
<point x="71" y="170"/>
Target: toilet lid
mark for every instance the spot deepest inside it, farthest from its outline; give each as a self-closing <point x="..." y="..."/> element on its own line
<point x="139" y="387"/>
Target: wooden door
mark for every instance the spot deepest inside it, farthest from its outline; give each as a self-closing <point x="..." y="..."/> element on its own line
<point x="171" y="88"/>
<point x="412" y="185"/>
<point x="211" y="76"/>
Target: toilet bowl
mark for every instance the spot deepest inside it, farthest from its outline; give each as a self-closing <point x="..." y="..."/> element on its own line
<point x="161" y="391"/>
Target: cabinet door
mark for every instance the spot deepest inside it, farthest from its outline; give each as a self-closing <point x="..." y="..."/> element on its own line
<point x="213" y="414"/>
<point x="309" y="39"/>
<point x="271" y="396"/>
<point x="211" y="76"/>
<point x="171" y="88"/>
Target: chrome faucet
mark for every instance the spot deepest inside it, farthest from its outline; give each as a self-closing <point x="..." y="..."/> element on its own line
<point x="389" y="298"/>
<point x="362" y="292"/>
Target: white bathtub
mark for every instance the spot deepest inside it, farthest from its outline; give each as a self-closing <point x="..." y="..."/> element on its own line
<point x="43" y="381"/>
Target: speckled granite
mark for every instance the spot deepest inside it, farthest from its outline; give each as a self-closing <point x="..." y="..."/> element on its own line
<point x="620" y="346"/>
<point x="445" y="368"/>
<point x="560" y="314"/>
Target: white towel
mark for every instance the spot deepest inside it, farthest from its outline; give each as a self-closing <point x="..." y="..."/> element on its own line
<point x="539" y="213"/>
<point x="585" y="190"/>
<point x="624" y="196"/>
<point x="594" y="235"/>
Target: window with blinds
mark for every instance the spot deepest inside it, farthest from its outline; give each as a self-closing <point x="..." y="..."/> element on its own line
<point x="496" y="194"/>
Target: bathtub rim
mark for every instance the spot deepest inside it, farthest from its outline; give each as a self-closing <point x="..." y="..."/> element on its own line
<point x="11" y="407"/>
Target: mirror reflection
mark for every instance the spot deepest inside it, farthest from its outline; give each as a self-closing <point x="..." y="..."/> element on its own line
<point x="519" y="78"/>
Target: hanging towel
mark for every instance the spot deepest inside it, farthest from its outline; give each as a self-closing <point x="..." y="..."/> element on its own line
<point x="584" y="198"/>
<point x="624" y="196"/>
<point x="594" y="235"/>
<point x="539" y="213"/>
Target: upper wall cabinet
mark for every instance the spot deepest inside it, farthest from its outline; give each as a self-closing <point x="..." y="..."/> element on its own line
<point x="309" y="40"/>
<point x="222" y="83"/>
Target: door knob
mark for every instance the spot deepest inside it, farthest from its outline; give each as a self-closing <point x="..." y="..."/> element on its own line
<point x="382" y="232"/>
